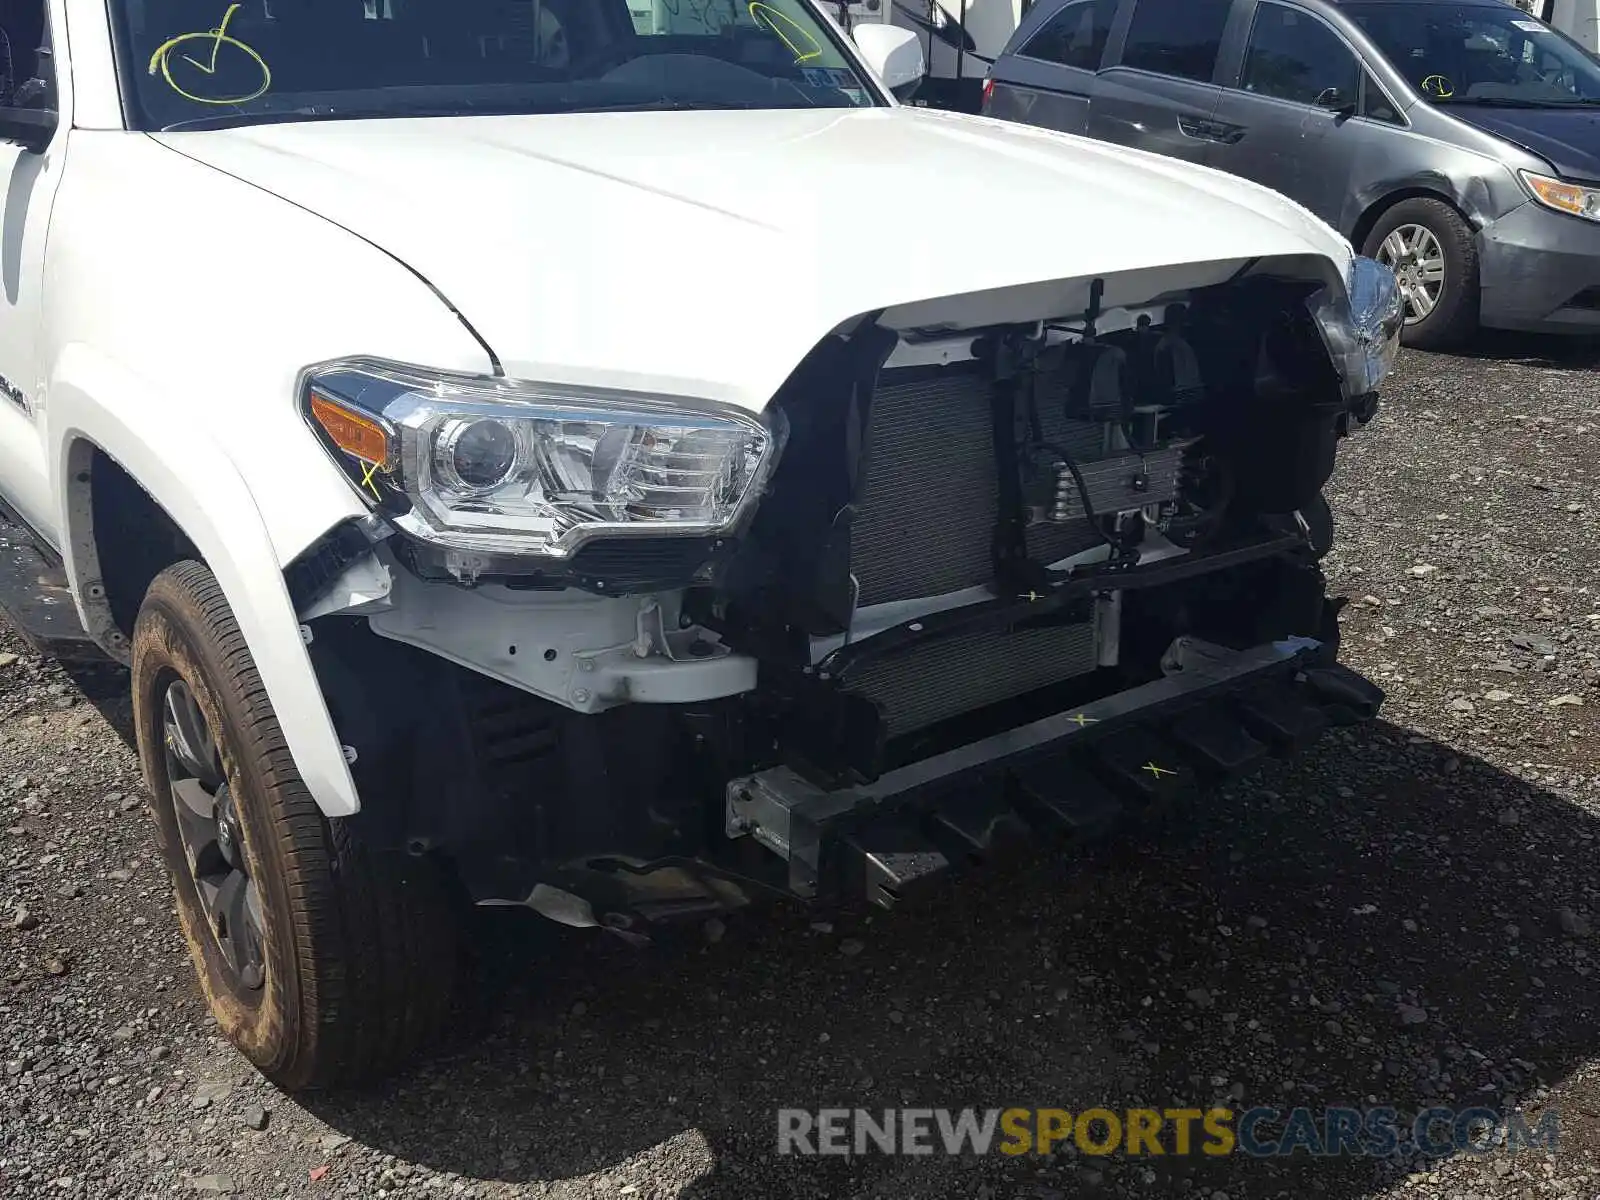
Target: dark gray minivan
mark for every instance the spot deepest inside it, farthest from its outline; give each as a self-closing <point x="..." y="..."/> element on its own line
<point x="1456" y="140"/>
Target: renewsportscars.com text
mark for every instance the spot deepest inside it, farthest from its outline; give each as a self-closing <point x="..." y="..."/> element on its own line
<point x="1151" y="1132"/>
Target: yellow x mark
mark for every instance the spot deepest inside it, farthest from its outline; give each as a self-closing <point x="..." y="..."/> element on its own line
<point x="366" y="478"/>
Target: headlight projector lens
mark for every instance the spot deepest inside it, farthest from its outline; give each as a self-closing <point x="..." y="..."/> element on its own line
<point x="477" y="455"/>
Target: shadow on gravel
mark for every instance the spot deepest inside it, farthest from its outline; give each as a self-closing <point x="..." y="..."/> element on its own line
<point x="1536" y="350"/>
<point x="105" y="686"/>
<point x="1380" y="922"/>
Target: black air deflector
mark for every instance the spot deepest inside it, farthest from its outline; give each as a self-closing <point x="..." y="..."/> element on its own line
<point x="791" y="571"/>
<point x="942" y="679"/>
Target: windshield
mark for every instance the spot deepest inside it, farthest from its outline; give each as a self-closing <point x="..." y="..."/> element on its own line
<point x="1473" y="54"/>
<point x="214" y="63"/>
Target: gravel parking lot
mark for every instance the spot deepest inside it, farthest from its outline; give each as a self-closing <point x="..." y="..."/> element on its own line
<point x="1406" y="917"/>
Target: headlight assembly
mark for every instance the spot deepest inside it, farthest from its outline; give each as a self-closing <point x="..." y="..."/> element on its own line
<point x="496" y="467"/>
<point x="1362" y="327"/>
<point x="1572" y="198"/>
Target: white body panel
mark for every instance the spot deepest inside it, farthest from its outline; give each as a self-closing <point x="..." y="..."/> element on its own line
<point x="32" y="181"/>
<point x="83" y="35"/>
<point x="989" y="23"/>
<point x="173" y="343"/>
<point x="1578" y="19"/>
<point x="190" y="277"/>
<point x="704" y="253"/>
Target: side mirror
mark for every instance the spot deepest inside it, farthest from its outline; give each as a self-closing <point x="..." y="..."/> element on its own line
<point x="32" y="128"/>
<point x="1335" y="101"/>
<point x="894" y="53"/>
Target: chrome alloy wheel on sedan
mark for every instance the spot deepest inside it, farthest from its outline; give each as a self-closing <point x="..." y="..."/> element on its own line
<point x="1415" y="256"/>
<point x="213" y="841"/>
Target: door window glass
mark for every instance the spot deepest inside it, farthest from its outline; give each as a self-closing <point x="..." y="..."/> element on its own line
<point x="1075" y="36"/>
<point x="1177" y="37"/>
<point x="27" y="78"/>
<point x="1375" y="103"/>
<point x="1294" y="56"/>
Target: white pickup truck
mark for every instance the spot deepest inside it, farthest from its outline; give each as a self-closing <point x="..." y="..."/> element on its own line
<point x="512" y="476"/>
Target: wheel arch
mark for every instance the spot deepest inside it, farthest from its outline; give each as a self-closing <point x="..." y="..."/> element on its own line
<point x="117" y="539"/>
<point x="1374" y="211"/>
<point x="172" y="472"/>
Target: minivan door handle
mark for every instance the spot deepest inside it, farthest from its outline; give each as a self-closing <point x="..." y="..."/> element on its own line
<point x="1204" y="129"/>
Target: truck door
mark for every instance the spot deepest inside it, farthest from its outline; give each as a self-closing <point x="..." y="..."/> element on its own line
<point x="27" y="85"/>
<point x="1160" y="94"/>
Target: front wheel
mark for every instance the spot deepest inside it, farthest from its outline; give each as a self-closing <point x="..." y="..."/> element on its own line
<point x="322" y="962"/>
<point x="1434" y="255"/>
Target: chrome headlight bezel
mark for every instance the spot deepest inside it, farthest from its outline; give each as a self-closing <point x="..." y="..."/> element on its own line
<point x="397" y="416"/>
<point x="1361" y="324"/>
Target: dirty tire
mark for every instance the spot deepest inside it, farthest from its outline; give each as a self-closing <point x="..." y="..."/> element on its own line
<point x="1455" y="318"/>
<point x="361" y="950"/>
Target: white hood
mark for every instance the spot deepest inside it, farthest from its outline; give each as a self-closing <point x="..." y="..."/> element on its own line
<point x="706" y="253"/>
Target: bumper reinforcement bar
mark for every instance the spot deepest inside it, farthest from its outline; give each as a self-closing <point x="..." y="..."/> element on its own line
<point x="1074" y="773"/>
<point x="1082" y="584"/>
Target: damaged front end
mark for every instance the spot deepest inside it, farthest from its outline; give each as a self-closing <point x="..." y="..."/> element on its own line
<point x="973" y="579"/>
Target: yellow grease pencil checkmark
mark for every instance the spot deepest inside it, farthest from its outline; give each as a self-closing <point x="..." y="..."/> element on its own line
<point x="220" y="34"/>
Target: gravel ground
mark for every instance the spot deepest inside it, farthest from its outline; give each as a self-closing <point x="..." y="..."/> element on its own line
<point x="1403" y="917"/>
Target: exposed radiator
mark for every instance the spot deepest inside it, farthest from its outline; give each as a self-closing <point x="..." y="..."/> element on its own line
<point x="925" y="527"/>
<point x="929" y="505"/>
<point x="944" y="679"/>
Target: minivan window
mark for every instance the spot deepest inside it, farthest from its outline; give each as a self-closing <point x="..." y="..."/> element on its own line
<point x="1177" y="37"/>
<point x="1481" y="54"/>
<point x="1294" y="56"/>
<point x="1375" y="103"/>
<point x="1075" y="36"/>
<point x="216" y="63"/>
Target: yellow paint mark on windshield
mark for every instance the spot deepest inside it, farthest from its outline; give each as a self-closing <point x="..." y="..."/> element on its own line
<point x="1438" y="87"/>
<point x="777" y="21"/>
<point x="217" y="38"/>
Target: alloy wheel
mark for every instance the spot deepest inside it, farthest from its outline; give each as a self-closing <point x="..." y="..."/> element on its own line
<point x="1417" y="259"/>
<point x="213" y="842"/>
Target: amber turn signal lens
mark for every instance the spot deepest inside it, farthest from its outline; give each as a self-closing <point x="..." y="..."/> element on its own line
<point x="354" y="433"/>
<point x="1561" y="195"/>
<point x="1566" y="197"/>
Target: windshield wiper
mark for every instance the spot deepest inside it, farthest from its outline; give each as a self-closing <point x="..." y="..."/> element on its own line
<point x="664" y="104"/>
<point x="1513" y="102"/>
<point x="654" y="104"/>
<point x="237" y="120"/>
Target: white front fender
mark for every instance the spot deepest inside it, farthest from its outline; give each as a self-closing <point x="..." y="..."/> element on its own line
<point x="202" y="491"/>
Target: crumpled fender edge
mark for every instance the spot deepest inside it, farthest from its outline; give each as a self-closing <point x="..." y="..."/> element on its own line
<point x="201" y="490"/>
